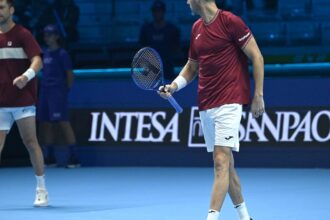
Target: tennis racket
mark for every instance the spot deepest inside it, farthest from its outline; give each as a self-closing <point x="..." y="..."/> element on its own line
<point x="147" y="72"/>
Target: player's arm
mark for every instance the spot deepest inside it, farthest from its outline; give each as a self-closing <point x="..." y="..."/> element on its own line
<point x="35" y="67"/>
<point x="36" y="64"/>
<point x="187" y="74"/>
<point x="252" y="51"/>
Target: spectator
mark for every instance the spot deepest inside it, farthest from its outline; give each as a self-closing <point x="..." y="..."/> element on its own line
<point x="37" y="10"/>
<point x="64" y="13"/>
<point x="237" y="7"/>
<point x="162" y="36"/>
<point x="22" y="14"/>
<point x="53" y="115"/>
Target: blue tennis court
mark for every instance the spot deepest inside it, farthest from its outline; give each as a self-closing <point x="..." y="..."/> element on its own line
<point x="162" y="193"/>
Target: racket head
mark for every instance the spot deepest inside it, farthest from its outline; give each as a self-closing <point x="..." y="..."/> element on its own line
<point x="147" y="69"/>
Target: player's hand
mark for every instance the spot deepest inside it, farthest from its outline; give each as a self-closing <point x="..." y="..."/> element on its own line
<point x="257" y="106"/>
<point x="20" y="81"/>
<point x="167" y="90"/>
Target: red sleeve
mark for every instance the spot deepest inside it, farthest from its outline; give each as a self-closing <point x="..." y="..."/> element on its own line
<point x="30" y="45"/>
<point x="238" y="31"/>
<point x="192" y="50"/>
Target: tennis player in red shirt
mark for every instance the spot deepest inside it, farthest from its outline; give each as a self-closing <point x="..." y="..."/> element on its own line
<point x="220" y="47"/>
<point x="19" y="62"/>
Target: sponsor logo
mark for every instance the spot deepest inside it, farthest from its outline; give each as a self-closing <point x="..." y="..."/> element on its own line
<point x="244" y="37"/>
<point x="152" y="127"/>
<point x="287" y="126"/>
<point x="277" y="127"/>
<point x="274" y="127"/>
<point x="9" y="43"/>
<point x="195" y="136"/>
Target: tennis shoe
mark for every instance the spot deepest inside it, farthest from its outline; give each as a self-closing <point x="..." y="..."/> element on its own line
<point x="41" y="199"/>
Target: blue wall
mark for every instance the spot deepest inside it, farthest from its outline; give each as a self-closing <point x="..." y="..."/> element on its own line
<point x="285" y="89"/>
<point x="118" y="93"/>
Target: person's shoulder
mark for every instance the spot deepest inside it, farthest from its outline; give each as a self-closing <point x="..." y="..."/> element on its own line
<point x="227" y="14"/>
<point x="198" y="22"/>
<point x="21" y="33"/>
<point x="229" y="17"/>
<point x="63" y="52"/>
<point x="21" y="30"/>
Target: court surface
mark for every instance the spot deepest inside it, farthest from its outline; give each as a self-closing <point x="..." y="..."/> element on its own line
<point x="162" y="193"/>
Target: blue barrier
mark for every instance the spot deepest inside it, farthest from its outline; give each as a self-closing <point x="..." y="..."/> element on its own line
<point x="307" y="69"/>
<point x="292" y="92"/>
<point x="297" y="93"/>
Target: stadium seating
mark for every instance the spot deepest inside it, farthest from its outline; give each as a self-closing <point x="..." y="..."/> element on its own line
<point x="113" y="24"/>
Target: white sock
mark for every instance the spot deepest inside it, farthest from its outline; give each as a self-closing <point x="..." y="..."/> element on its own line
<point x="213" y="215"/>
<point x="41" y="183"/>
<point x="242" y="211"/>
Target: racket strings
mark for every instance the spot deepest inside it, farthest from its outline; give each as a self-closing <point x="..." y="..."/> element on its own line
<point x="147" y="69"/>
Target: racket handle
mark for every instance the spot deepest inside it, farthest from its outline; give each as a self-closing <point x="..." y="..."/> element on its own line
<point x="177" y="107"/>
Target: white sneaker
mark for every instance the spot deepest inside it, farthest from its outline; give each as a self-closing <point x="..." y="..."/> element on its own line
<point x="41" y="198"/>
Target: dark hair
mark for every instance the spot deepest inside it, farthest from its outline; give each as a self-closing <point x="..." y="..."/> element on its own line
<point x="158" y="5"/>
<point x="11" y="3"/>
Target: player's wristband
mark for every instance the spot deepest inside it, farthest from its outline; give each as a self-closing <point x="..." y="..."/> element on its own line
<point x="30" y="74"/>
<point x="181" y="82"/>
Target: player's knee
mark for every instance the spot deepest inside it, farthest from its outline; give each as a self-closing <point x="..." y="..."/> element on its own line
<point x="221" y="162"/>
<point x="30" y="143"/>
<point x="221" y="165"/>
<point x="2" y="143"/>
<point x="231" y="164"/>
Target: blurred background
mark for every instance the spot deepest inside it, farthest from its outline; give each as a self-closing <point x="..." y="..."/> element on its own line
<point x="117" y="124"/>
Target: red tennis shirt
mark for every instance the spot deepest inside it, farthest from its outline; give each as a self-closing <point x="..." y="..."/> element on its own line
<point x="223" y="66"/>
<point x="17" y="47"/>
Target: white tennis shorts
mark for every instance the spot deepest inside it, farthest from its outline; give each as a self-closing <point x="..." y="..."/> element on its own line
<point x="221" y="126"/>
<point x="9" y="115"/>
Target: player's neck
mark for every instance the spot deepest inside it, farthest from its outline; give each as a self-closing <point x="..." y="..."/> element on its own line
<point x="208" y="12"/>
<point x="4" y="28"/>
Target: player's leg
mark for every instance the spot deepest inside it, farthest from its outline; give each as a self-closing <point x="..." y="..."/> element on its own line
<point x="25" y="119"/>
<point x="27" y="131"/>
<point x="3" y="135"/>
<point x="234" y="185"/>
<point x="226" y="121"/>
<point x="235" y="193"/>
<point x="7" y="121"/>
<point x="221" y="158"/>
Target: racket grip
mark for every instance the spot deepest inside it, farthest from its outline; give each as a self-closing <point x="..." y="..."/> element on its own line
<point x="177" y="107"/>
